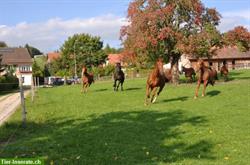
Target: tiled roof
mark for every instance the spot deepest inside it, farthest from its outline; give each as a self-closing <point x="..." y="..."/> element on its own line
<point x="115" y="58"/>
<point x="230" y="53"/>
<point x="53" y="55"/>
<point x="15" y="56"/>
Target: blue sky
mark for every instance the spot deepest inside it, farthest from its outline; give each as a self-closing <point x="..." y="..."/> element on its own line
<point x="47" y="23"/>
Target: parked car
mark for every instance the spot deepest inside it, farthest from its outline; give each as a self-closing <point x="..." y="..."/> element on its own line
<point x="58" y="81"/>
<point x="51" y="81"/>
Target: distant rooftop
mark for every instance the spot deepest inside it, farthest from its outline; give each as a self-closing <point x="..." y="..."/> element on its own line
<point x="229" y="53"/>
<point x="15" y="56"/>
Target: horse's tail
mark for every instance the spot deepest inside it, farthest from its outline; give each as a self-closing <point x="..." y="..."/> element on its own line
<point x="93" y="80"/>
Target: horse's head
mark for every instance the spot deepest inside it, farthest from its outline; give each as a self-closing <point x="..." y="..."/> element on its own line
<point x="159" y="65"/>
<point x="84" y="69"/>
<point x="199" y="65"/>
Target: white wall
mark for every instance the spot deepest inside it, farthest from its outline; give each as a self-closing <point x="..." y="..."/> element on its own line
<point x="27" y="79"/>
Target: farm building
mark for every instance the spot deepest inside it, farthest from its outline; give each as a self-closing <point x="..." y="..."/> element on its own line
<point x="19" y="61"/>
<point x="234" y="59"/>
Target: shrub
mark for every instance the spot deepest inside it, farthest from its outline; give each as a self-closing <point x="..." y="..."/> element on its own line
<point x="8" y="82"/>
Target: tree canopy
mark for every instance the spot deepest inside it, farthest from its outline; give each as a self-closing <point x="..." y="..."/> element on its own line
<point x="239" y="37"/>
<point x="3" y="44"/>
<point x="37" y="71"/>
<point x="166" y="27"/>
<point x="33" y="51"/>
<point x="85" y="48"/>
<point x="109" y="50"/>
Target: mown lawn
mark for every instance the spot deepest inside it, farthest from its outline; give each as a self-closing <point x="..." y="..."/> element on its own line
<point x="107" y="127"/>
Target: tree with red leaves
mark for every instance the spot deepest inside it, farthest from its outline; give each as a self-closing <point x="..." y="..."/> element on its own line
<point x="239" y="37"/>
<point x="168" y="28"/>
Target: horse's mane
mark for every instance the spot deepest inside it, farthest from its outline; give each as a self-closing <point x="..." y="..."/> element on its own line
<point x="156" y="70"/>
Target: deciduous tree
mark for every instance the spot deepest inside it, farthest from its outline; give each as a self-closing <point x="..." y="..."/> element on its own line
<point x="164" y="27"/>
<point x="239" y="37"/>
<point x="85" y="48"/>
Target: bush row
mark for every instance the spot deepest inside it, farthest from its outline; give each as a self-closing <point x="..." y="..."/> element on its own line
<point x="8" y="82"/>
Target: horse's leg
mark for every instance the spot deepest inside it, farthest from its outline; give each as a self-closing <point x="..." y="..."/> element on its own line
<point x="204" y="87"/>
<point x="119" y="82"/>
<point x="83" y="87"/>
<point x="114" y="85"/>
<point x="122" y="86"/>
<point x="154" y="96"/>
<point x="158" y="93"/>
<point x="147" y="94"/>
<point x="197" y="89"/>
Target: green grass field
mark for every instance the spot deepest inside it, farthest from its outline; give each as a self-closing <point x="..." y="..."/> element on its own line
<point x="107" y="127"/>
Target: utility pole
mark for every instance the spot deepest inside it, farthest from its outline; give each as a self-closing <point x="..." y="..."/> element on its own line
<point x="75" y="58"/>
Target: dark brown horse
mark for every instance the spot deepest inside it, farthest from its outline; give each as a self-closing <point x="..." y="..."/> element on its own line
<point x="224" y="72"/>
<point x="206" y="75"/>
<point x="118" y="76"/>
<point x="156" y="79"/>
<point x="189" y="73"/>
<point x="87" y="79"/>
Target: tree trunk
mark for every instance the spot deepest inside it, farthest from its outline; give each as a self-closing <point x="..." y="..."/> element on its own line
<point x="175" y="73"/>
<point x="175" y="70"/>
<point x="64" y="80"/>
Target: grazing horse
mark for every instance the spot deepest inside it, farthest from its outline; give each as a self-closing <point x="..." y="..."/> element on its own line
<point x="189" y="73"/>
<point x="87" y="79"/>
<point x="224" y="72"/>
<point x="118" y="76"/>
<point x="156" y="79"/>
<point x="206" y="75"/>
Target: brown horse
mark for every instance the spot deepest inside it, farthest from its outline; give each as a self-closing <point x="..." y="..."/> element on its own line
<point x="224" y="72"/>
<point x="118" y="76"/>
<point x="189" y="73"/>
<point x="87" y="79"/>
<point x="156" y="79"/>
<point x="206" y="75"/>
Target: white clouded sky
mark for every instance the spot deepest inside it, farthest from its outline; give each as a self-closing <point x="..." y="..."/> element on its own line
<point x="49" y="35"/>
<point x="46" y="24"/>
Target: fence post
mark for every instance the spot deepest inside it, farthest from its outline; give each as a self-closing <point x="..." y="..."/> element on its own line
<point x="32" y="89"/>
<point x="34" y="80"/>
<point x="22" y="101"/>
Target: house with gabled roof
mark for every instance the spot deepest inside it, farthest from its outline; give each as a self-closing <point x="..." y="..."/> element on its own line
<point x="19" y="61"/>
<point x="232" y="56"/>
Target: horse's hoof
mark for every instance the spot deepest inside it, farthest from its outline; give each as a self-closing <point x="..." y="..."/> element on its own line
<point x="154" y="100"/>
<point x="195" y="97"/>
<point x="202" y="95"/>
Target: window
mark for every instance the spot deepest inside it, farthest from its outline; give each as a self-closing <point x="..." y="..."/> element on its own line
<point x="24" y="68"/>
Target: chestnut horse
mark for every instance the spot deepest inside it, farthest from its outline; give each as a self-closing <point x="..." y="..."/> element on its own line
<point x="206" y="75"/>
<point x="156" y="79"/>
<point x="87" y="79"/>
<point x="224" y="72"/>
<point x="189" y="73"/>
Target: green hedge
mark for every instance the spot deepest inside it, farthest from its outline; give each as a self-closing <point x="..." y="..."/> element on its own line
<point x="8" y="82"/>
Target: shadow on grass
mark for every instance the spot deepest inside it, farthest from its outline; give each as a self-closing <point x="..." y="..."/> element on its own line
<point x="137" y="137"/>
<point x="183" y="98"/>
<point x="101" y="90"/>
<point x="213" y="93"/>
<point x="132" y="89"/>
